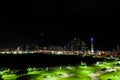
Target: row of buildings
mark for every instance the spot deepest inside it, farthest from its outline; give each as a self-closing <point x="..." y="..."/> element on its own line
<point x="74" y="44"/>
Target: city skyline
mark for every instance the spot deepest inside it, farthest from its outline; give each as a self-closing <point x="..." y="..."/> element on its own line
<point x="45" y="40"/>
<point x="57" y="22"/>
<point x="105" y="38"/>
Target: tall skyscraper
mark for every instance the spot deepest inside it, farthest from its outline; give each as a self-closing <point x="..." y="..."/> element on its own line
<point x="72" y="46"/>
<point x="92" y="45"/>
<point x="83" y="46"/>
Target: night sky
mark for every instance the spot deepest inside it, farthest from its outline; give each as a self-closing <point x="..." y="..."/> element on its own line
<point x="51" y="22"/>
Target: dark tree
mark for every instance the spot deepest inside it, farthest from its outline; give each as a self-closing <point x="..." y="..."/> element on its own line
<point x="21" y="72"/>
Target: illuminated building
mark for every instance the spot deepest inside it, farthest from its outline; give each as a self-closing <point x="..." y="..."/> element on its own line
<point x="76" y="45"/>
<point x="83" y="46"/>
<point x="92" y="45"/>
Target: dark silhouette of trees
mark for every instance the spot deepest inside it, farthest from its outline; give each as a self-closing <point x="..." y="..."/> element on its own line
<point x="1" y="77"/>
<point x="21" y="72"/>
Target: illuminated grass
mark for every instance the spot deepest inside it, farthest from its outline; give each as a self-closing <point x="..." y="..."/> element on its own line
<point x="29" y="77"/>
<point x="34" y="72"/>
<point x="70" y="73"/>
<point x="111" y="75"/>
<point x="9" y="77"/>
<point x="47" y="76"/>
<point x="87" y="69"/>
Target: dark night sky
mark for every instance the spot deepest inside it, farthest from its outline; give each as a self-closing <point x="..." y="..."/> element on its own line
<point x="23" y="22"/>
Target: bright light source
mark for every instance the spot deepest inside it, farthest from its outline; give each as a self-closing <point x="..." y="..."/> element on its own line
<point x="14" y="52"/>
<point x="20" y="52"/>
<point x="59" y="52"/>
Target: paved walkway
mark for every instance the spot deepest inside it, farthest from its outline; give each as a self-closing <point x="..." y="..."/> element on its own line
<point x="94" y="75"/>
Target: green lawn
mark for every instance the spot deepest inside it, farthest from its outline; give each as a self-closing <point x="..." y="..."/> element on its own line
<point x="111" y="75"/>
<point x="70" y="73"/>
<point x="9" y="77"/>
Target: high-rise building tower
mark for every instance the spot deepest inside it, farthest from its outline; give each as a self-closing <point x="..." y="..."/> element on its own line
<point x="83" y="46"/>
<point x="72" y="46"/>
<point x="92" y="45"/>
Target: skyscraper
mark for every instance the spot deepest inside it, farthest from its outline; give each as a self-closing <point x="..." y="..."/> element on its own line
<point x="92" y="45"/>
<point x="83" y="46"/>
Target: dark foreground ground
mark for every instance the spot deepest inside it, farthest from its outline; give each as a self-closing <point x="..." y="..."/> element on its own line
<point x="43" y="60"/>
